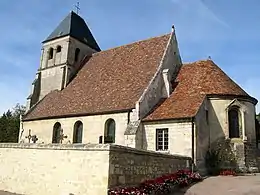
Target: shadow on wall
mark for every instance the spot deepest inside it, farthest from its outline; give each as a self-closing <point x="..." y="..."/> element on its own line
<point x="209" y="130"/>
<point x="221" y="156"/>
<point x="216" y="130"/>
<point x="144" y="145"/>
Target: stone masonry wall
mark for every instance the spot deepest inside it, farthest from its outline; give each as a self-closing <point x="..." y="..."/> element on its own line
<point x="180" y="133"/>
<point x="129" y="166"/>
<point x="156" y="88"/>
<point x="54" y="170"/>
<point x="93" y="128"/>
<point x="79" y="169"/>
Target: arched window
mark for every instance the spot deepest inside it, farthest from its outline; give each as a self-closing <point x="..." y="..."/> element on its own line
<point x="234" y="122"/>
<point x="58" y="49"/>
<point x="56" y="133"/>
<point x="110" y="130"/>
<point x="77" y="51"/>
<point x="78" y="131"/>
<point x="50" y="53"/>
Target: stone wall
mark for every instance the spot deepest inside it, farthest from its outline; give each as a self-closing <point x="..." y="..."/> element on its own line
<point x="245" y="146"/>
<point x="180" y="134"/>
<point x="129" y="166"/>
<point x="93" y="128"/>
<point x="156" y="89"/>
<point x="201" y="137"/>
<point x="54" y="170"/>
<point x="80" y="169"/>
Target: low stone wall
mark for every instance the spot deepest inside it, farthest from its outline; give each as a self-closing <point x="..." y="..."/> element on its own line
<point x="89" y="169"/>
<point x="35" y="169"/>
<point x="129" y="166"/>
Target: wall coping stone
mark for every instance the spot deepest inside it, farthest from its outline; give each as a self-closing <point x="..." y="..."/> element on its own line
<point x="90" y="147"/>
<point x="124" y="149"/>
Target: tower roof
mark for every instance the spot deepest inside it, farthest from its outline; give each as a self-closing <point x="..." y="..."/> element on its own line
<point x="74" y="26"/>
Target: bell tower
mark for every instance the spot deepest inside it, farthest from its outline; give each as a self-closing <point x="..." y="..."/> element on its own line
<point x="62" y="52"/>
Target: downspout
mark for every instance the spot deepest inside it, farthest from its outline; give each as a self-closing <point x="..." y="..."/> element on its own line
<point x="192" y="142"/>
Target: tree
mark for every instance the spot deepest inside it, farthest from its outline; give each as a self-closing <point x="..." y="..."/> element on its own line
<point x="10" y="124"/>
<point x="258" y="117"/>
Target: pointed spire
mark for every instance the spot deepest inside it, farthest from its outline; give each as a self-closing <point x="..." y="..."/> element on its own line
<point x="74" y="26"/>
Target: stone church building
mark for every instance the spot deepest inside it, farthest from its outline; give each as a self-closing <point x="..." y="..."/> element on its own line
<point x="139" y="95"/>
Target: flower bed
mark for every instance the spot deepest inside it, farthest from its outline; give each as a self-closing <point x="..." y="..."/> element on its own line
<point x="227" y="173"/>
<point x="161" y="185"/>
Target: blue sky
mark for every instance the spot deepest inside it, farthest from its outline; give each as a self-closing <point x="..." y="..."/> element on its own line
<point x="228" y="31"/>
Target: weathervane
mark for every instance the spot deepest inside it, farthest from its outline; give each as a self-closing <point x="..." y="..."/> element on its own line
<point x="77" y="8"/>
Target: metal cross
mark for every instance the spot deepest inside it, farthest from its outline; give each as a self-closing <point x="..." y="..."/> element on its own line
<point x="34" y="139"/>
<point x="77" y="8"/>
<point x="62" y="136"/>
<point x="29" y="137"/>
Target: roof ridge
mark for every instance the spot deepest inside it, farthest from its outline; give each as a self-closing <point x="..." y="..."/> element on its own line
<point x="132" y="43"/>
<point x="197" y="61"/>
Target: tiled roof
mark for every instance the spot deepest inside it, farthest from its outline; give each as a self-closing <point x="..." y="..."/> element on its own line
<point x="111" y="80"/>
<point x="193" y="83"/>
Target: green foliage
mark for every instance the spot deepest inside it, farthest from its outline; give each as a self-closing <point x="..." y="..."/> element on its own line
<point x="220" y="157"/>
<point x="10" y="124"/>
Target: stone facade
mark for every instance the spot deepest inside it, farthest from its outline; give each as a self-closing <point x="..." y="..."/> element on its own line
<point x="40" y="169"/>
<point x="129" y="167"/>
<point x="210" y="125"/>
<point x="93" y="128"/>
<point x="160" y="85"/>
<point x="245" y="146"/>
<point x="201" y="136"/>
<point x="55" y="72"/>
<point x="180" y="134"/>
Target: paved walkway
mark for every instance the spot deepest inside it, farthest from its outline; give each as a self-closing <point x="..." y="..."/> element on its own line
<point x="225" y="185"/>
<point x="220" y="185"/>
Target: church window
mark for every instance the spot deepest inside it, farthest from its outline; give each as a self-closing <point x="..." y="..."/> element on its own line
<point x="162" y="139"/>
<point x="58" y="49"/>
<point x="50" y="53"/>
<point x="110" y="130"/>
<point x="56" y="133"/>
<point x="207" y="116"/>
<point x="77" y="51"/>
<point x="78" y="131"/>
<point x="233" y="122"/>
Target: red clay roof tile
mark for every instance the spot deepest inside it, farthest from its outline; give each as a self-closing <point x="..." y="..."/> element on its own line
<point x="194" y="82"/>
<point x="111" y="80"/>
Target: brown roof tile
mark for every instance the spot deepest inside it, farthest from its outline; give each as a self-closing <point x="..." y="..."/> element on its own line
<point x="193" y="83"/>
<point x="111" y="80"/>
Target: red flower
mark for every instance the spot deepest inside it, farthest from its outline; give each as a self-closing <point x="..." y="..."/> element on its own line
<point x="227" y="172"/>
<point x="161" y="184"/>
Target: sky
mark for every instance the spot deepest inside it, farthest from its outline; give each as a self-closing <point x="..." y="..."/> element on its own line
<point x="227" y="31"/>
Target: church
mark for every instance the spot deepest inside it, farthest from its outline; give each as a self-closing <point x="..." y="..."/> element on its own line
<point x="139" y="95"/>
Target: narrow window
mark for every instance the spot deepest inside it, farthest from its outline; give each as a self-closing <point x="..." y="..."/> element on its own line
<point x="77" y="51"/>
<point x="58" y="49"/>
<point x="50" y="53"/>
<point x="233" y="122"/>
<point x="56" y="133"/>
<point x="207" y="116"/>
<point x="110" y="130"/>
<point x="162" y="139"/>
<point x="77" y="133"/>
